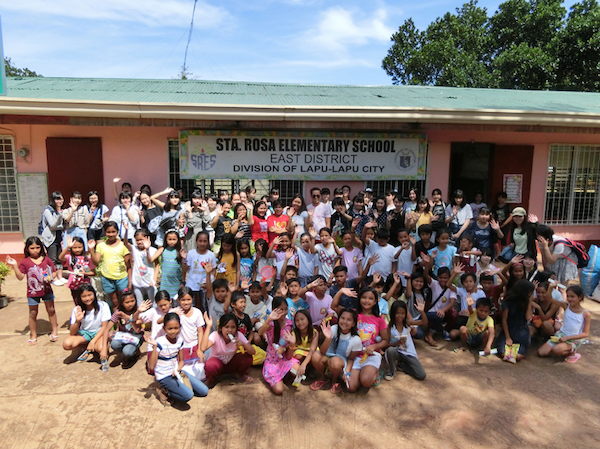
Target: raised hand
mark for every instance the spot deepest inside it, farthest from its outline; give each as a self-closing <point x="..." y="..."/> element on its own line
<point x="147" y="243"/>
<point x="276" y="241"/>
<point x="405" y="245"/>
<point x="231" y="286"/>
<point x="289" y="253"/>
<point x="91" y="244"/>
<point x="531" y="218"/>
<point x="145" y="306"/>
<point x="412" y="240"/>
<point x="70" y="242"/>
<point x="376" y="277"/>
<point x="183" y="253"/>
<point x="495" y="225"/>
<point x="420" y="305"/>
<point x="425" y="257"/>
<point x="457" y="268"/>
<point x="312" y="232"/>
<point x="208" y="267"/>
<point x="246" y="281"/>
<point x="405" y="274"/>
<point x="470" y="300"/>
<point x="208" y="320"/>
<point x="79" y="314"/>
<point x="275" y="314"/>
<point x="11" y="261"/>
<point x="542" y="241"/>
<point x="283" y="289"/>
<point x="396" y="277"/>
<point x="434" y="253"/>
<point x="517" y="259"/>
<point x="239" y="235"/>
<point x="374" y="259"/>
<point x="349" y="292"/>
<point x="290" y="337"/>
<point x="326" y="329"/>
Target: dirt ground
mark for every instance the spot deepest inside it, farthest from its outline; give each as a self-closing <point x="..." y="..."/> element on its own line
<point x="466" y="401"/>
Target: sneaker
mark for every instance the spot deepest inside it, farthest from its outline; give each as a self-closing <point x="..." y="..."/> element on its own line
<point x="389" y="376"/>
<point x="446" y="335"/>
<point x="57" y="282"/>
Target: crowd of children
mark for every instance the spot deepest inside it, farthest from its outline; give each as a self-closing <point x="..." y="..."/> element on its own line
<point x="337" y="290"/>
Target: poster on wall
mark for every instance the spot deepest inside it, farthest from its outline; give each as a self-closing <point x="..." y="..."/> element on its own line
<point x="513" y="186"/>
<point x="33" y="199"/>
<point x="301" y="155"/>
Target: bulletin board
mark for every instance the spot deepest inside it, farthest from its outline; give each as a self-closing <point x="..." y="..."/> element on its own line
<point x="33" y="199"/>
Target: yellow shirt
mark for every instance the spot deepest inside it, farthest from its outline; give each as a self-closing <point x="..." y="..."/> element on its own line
<point x="226" y="269"/>
<point x="112" y="260"/>
<point x="476" y="326"/>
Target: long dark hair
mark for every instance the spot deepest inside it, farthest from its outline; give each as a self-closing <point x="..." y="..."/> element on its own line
<point x="73" y="260"/>
<point x="394" y="310"/>
<point x="310" y="332"/>
<point x="92" y="193"/>
<point x="229" y="238"/>
<point x="458" y="194"/>
<point x="302" y="206"/>
<point x="168" y="206"/>
<point x="125" y="294"/>
<point x="34" y="240"/>
<point x="177" y="245"/>
<point x="226" y="318"/>
<point x="375" y="309"/>
<point x="87" y="288"/>
<point x="353" y="329"/>
<point x="260" y="203"/>
<point x="56" y="195"/>
<point x="277" y="301"/>
<point x="520" y="294"/>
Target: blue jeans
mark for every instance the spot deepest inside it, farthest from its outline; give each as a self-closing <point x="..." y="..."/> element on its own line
<point x="180" y="391"/>
<point x="127" y="349"/>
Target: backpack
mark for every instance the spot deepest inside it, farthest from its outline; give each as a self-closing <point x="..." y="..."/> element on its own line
<point x="41" y="224"/>
<point x="583" y="258"/>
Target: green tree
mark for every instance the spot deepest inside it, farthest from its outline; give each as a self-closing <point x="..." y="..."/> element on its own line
<point x="526" y="44"/>
<point x="11" y="70"/>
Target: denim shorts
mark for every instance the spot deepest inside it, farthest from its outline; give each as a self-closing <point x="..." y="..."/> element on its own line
<point x="114" y="285"/>
<point x="475" y="341"/>
<point x="36" y="301"/>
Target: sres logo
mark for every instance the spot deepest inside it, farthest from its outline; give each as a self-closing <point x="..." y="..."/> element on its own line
<point x="204" y="161"/>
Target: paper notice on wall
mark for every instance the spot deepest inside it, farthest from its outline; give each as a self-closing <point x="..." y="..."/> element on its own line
<point x="513" y="186"/>
<point x="33" y="199"/>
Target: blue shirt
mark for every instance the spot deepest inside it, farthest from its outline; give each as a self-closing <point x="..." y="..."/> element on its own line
<point x="443" y="258"/>
<point x="293" y="307"/>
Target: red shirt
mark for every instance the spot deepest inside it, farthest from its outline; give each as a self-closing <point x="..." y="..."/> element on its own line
<point x="39" y="276"/>
<point x="280" y="222"/>
<point x="260" y="229"/>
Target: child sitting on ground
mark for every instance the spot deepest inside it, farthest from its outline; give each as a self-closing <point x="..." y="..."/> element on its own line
<point x="479" y="329"/>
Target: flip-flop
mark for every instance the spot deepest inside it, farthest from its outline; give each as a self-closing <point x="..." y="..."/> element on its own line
<point x="317" y="385"/>
<point x="84" y="356"/>
<point x="573" y="358"/>
<point x="378" y="379"/>
<point x="247" y="379"/>
<point x="430" y="341"/>
<point x="53" y="338"/>
<point x="336" y="388"/>
<point x="32" y="341"/>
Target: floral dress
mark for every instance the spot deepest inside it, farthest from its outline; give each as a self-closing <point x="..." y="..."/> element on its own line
<point x="275" y="368"/>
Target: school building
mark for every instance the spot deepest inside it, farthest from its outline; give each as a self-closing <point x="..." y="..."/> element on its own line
<point x="68" y="134"/>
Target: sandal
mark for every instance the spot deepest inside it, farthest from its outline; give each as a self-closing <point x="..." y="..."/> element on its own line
<point x="430" y="341"/>
<point x="378" y="379"/>
<point x="162" y="396"/>
<point x="317" y="385"/>
<point x="573" y="358"/>
<point x="32" y="341"/>
<point x="336" y="388"/>
<point x="84" y="356"/>
<point x="53" y="338"/>
<point x="247" y="379"/>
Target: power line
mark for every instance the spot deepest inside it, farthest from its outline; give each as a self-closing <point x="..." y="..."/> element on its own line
<point x="183" y="69"/>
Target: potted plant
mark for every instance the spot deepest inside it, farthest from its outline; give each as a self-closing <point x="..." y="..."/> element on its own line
<point x="5" y="269"/>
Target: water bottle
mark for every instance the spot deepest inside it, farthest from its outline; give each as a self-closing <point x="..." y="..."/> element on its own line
<point x="104" y="365"/>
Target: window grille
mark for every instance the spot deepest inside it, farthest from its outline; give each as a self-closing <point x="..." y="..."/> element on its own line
<point x="9" y="206"/>
<point x="573" y="185"/>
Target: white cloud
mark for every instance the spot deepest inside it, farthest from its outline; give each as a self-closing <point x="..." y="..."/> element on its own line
<point x="148" y="12"/>
<point x="339" y="29"/>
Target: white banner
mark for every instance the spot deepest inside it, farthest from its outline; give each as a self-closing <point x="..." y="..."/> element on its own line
<point x="271" y="155"/>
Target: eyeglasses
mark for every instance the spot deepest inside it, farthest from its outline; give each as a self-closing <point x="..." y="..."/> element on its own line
<point x="316" y="196"/>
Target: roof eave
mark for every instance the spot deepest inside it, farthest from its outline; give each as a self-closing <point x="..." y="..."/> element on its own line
<point x="190" y="111"/>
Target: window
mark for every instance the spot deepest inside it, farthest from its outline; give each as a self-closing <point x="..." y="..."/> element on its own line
<point x="9" y="206"/>
<point x="401" y="186"/>
<point x="573" y="185"/>
<point x="287" y="189"/>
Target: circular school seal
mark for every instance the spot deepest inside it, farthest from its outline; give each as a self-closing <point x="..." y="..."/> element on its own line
<point x="406" y="160"/>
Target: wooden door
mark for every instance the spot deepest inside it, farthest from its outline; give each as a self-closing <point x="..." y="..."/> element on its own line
<point x="75" y="164"/>
<point x="511" y="160"/>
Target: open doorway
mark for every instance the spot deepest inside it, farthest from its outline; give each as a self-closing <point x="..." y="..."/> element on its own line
<point x="470" y="169"/>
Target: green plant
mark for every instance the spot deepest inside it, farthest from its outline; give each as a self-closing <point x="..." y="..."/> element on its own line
<point x="4" y="270"/>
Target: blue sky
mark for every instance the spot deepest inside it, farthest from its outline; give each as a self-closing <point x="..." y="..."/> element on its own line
<point x="290" y="41"/>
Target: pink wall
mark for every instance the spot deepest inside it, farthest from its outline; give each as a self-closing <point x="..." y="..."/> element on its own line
<point x="139" y="155"/>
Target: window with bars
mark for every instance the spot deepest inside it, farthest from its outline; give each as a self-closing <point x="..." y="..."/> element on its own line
<point x="401" y="186"/>
<point x="9" y="206"/>
<point x="287" y="188"/>
<point x="573" y="185"/>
